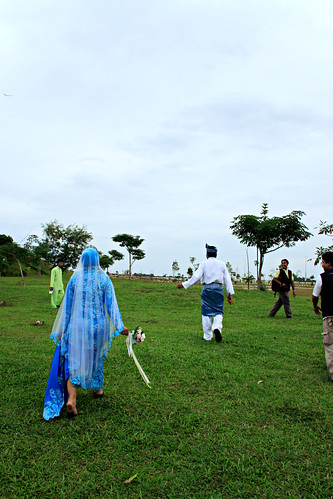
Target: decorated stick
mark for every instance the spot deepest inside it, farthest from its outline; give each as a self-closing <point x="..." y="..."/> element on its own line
<point x="139" y="337"/>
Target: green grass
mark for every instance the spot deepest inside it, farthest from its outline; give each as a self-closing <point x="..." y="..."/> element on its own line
<point x="207" y="429"/>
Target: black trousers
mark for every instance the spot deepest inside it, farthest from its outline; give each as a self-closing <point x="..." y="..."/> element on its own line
<point x="283" y="300"/>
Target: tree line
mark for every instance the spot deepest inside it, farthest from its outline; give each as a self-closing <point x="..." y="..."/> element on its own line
<point x="67" y="243"/>
<point x="61" y="243"/>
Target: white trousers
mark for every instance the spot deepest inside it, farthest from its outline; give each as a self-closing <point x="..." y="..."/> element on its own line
<point x="209" y="324"/>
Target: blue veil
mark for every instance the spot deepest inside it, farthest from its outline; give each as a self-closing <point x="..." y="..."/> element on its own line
<point x="87" y="321"/>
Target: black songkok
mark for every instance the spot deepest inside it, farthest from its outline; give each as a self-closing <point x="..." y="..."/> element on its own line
<point x="211" y="250"/>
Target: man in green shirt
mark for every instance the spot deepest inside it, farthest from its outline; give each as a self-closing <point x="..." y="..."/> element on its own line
<point x="56" y="285"/>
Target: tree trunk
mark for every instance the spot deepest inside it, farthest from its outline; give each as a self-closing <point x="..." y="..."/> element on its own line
<point x="248" y="267"/>
<point x="260" y="266"/>
<point x="21" y="271"/>
<point x="130" y="266"/>
<point x="258" y="280"/>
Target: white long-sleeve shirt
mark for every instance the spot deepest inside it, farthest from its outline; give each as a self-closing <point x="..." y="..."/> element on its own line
<point x="209" y="271"/>
<point x="318" y="286"/>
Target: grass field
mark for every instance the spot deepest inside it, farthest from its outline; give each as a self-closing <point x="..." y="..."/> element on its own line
<point x="248" y="417"/>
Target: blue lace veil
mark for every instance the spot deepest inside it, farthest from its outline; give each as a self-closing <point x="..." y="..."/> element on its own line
<point x="87" y="320"/>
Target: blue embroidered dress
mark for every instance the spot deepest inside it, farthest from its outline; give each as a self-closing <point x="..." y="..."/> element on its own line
<point x="87" y="321"/>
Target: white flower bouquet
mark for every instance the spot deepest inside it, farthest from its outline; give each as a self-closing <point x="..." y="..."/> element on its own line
<point x="138" y="335"/>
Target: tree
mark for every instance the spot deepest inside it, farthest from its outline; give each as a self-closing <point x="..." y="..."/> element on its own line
<point x="327" y="229"/>
<point x="66" y="243"/>
<point x="131" y="243"/>
<point x="5" y="259"/>
<point x="175" y="267"/>
<point x="194" y="265"/>
<point x="107" y="261"/>
<point x="230" y="270"/>
<point x="37" y="252"/>
<point x="248" y="278"/>
<point x="190" y="272"/>
<point x="11" y="252"/>
<point x="234" y="275"/>
<point x="269" y="234"/>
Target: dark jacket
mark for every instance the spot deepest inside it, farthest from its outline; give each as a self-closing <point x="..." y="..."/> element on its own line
<point x="327" y="293"/>
<point x="283" y="278"/>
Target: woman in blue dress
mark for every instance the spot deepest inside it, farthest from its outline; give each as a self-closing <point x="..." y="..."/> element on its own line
<point x="87" y="321"/>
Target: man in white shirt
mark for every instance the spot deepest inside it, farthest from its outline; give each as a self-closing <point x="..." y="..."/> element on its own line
<point x="212" y="273"/>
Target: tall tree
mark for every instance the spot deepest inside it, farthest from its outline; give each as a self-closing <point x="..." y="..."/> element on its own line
<point x="5" y="258"/>
<point x="131" y="243"/>
<point x="194" y="265"/>
<point x="269" y="234"/>
<point x="175" y="267"/>
<point x="230" y="270"/>
<point x="234" y="275"/>
<point x="107" y="261"/>
<point x="248" y="278"/>
<point x="66" y="243"/>
<point x="11" y="252"/>
<point x="37" y="252"/>
<point x="327" y="229"/>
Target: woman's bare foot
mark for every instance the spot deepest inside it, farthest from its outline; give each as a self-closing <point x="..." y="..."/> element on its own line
<point x="71" y="409"/>
<point x="71" y="403"/>
<point x="98" y="393"/>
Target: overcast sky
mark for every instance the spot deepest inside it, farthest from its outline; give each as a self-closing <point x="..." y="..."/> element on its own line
<point x="166" y="119"/>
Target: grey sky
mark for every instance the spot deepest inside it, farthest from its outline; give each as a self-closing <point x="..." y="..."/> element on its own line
<point x="166" y="119"/>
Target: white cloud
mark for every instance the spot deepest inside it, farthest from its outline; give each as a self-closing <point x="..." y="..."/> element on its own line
<point x="165" y="119"/>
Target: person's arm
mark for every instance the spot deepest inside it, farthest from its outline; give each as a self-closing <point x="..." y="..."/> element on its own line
<point x="315" y="296"/>
<point x="194" y="279"/>
<point x="316" y="308"/>
<point x="52" y="280"/>
<point x="293" y="285"/>
<point x="61" y="327"/>
<point x="282" y="284"/>
<point x="276" y="278"/>
<point x="68" y="303"/>
<point x="112" y="308"/>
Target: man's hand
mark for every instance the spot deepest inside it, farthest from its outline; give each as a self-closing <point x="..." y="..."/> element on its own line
<point x="317" y="310"/>
<point x="230" y="300"/>
<point x="294" y="292"/>
<point x="179" y="285"/>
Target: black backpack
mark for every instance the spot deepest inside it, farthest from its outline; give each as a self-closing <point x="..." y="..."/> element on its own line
<point x="276" y="287"/>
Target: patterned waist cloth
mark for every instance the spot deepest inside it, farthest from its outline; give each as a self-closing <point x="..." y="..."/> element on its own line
<point x="212" y="299"/>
